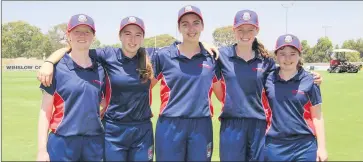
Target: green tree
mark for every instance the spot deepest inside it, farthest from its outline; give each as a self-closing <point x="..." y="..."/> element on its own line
<point x="305" y="45"/>
<point x="116" y="45"/>
<point x="352" y="56"/>
<point x="223" y="36"/>
<point x="20" y="39"/>
<point x="45" y="48"/>
<point x="161" y="41"/>
<point x="320" y="50"/>
<point x="57" y="36"/>
<point x="354" y="45"/>
<point x="96" y="44"/>
<point x="307" y="53"/>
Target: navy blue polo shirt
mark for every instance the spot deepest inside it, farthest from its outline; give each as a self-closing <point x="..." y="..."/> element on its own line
<point x="77" y="95"/>
<point x="129" y="98"/>
<point x="186" y="84"/>
<point x="290" y="102"/>
<point x="243" y="84"/>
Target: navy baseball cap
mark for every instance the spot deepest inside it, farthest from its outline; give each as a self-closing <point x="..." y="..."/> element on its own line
<point x="132" y="20"/>
<point x="245" y="17"/>
<point x="288" y="40"/>
<point x="81" y="19"/>
<point x="189" y="9"/>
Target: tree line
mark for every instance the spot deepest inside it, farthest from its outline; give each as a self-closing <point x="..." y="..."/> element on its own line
<point x="318" y="53"/>
<point x="21" y="39"/>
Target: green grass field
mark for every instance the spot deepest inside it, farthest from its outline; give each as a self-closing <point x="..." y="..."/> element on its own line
<point x="342" y="106"/>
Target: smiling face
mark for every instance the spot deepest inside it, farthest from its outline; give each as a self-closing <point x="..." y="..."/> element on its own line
<point x="191" y="26"/>
<point x="245" y="34"/>
<point x="81" y="37"/>
<point x="131" y="37"/>
<point x="288" y="57"/>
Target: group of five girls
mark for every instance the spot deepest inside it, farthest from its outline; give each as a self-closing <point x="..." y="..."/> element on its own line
<point x="268" y="113"/>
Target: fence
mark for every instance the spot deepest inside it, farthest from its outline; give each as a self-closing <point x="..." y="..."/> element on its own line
<point x="23" y="64"/>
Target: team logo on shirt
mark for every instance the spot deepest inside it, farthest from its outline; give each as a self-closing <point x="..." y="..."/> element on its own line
<point x="209" y="149"/>
<point x="246" y="16"/>
<point x="288" y="39"/>
<point x="188" y="8"/>
<point x="150" y="152"/>
<point x="82" y="18"/>
<point x="97" y="82"/>
<point x="258" y="69"/>
<point x="205" y="66"/>
<point x="298" y="92"/>
<point x="132" y="19"/>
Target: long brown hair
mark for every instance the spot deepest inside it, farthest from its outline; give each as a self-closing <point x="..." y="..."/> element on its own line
<point x="300" y="63"/>
<point x="258" y="46"/>
<point x="144" y="65"/>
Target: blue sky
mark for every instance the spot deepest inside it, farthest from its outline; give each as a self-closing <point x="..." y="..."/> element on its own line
<point x="305" y="18"/>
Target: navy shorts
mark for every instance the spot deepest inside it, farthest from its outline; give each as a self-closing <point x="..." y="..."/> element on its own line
<point x="297" y="148"/>
<point x="75" y="148"/>
<point x="128" y="142"/>
<point x="242" y="139"/>
<point x="184" y="139"/>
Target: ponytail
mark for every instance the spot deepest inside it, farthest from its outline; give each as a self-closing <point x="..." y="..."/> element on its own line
<point x="258" y="46"/>
<point x="144" y="66"/>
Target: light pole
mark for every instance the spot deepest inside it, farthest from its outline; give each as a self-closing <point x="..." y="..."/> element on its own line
<point x="326" y="27"/>
<point x="287" y="6"/>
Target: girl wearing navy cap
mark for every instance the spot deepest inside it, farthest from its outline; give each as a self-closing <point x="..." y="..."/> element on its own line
<point x="244" y="67"/>
<point x="184" y="129"/>
<point x="297" y="127"/>
<point x="72" y="130"/>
